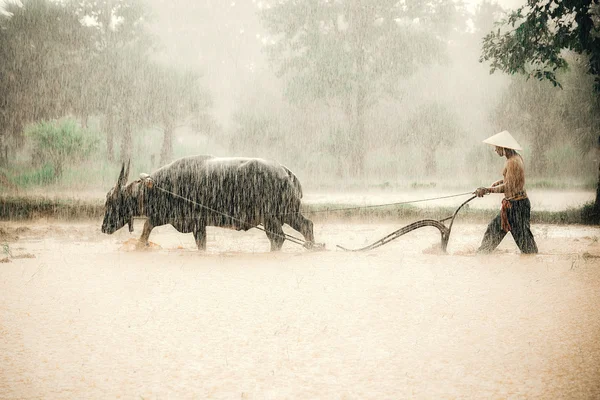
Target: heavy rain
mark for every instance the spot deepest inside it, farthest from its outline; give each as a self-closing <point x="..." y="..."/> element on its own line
<point x="298" y="199"/>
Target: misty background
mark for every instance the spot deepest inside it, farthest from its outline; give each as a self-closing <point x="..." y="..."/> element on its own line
<point x="345" y="94"/>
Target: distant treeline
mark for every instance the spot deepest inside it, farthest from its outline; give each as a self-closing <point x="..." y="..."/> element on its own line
<point x="375" y="91"/>
<point x="91" y="58"/>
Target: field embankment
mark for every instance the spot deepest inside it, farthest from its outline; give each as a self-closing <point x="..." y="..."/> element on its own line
<point x="325" y="207"/>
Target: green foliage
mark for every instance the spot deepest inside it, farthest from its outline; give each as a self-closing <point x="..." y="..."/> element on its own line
<point x="41" y="43"/>
<point x="590" y="213"/>
<point x="83" y="58"/>
<point x="59" y="143"/>
<point x="531" y="40"/>
<point x="38" y="176"/>
<point x="6" y="250"/>
<point x="552" y="122"/>
<point x="95" y="174"/>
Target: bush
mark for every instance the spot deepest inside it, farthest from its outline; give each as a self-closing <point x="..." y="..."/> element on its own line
<point x="590" y="214"/>
<point x="43" y="175"/>
<point x="60" y="143"/>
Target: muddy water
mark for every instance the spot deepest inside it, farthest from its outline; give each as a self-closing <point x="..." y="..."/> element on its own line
<point x="91" y="317"/>
<point x="541" y="199"/>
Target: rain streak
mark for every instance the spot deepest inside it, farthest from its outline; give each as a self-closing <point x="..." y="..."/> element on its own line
<point x="299" y="199"/>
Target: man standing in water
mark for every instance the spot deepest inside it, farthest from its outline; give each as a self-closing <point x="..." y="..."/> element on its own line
<point x="515" y="212"/>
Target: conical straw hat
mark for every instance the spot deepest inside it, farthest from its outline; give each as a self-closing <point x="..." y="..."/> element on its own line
<point x="503" y="139"/>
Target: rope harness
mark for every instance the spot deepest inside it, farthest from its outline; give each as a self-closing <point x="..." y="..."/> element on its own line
<point x="428" y="222"/>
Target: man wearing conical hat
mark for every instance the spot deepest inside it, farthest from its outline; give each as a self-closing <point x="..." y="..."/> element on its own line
<point x="515" y="211"/>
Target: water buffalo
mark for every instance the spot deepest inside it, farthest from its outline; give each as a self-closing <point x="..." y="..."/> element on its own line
<point x="199" y="191"/>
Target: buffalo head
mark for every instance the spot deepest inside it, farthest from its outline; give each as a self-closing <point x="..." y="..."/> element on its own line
<point x="119" y="206"/>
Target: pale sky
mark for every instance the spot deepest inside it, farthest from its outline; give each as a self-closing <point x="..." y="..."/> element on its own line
<point x="511" y="4"/>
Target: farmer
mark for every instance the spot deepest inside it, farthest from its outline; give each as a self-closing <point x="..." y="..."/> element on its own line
<point x="515" y="211"/>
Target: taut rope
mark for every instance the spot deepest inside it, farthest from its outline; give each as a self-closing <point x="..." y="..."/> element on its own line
<point x="291" y="238"/>
<point x="386" y="204"/>
<point x="299" y="241"/>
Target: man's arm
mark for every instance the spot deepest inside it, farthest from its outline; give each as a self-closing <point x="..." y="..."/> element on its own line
<point x="499" y="188"/>
<point x="514" y="179"/>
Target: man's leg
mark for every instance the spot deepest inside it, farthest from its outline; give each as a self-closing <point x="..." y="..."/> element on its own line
<point x="519" y="216"/>
<point x="493" y="236"/>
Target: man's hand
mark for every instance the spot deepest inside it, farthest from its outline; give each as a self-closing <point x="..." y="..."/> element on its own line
<point x="480" y="192"/>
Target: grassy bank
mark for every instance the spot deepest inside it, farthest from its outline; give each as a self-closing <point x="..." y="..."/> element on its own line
<point x="22" y="208"/>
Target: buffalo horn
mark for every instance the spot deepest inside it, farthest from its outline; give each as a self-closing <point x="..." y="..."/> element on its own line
<point x="121" y="175"/>
<point x="124" y="175"/>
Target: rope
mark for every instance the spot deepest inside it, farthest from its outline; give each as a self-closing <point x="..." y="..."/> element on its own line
<point x="285" y="235"/>
<point x="298" y="240"/>
<point x="387" y="204"/>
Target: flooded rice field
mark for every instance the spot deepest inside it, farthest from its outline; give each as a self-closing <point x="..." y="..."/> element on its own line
<point x="541" y="199"/>
<point x="87" y="315"/>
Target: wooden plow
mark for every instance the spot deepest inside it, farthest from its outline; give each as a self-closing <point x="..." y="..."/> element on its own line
<point x="444" y="230"/>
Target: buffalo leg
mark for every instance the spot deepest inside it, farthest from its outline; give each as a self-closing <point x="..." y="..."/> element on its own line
<point x="146" y="233"/>
<point x="302" y="225"/>
<point x="200" y="236"/>
<point x="275" y="233"/>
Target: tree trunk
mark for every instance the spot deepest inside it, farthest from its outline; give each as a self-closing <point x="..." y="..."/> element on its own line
<point x="126" y="141"/>
<point x="3" y="152"/>
<point x="358" y="139"/>
<point x="540" y="161"/>
<point x="358" y="144"/>
<point x="110" y="137"/>
<point x="19" y="135"/>
<point x="430" y="164"/>
<point x="166" y="152"/>
<point x="58" y="169"/>
<point x="597" y="202"/>
<point x="591" y="213"/>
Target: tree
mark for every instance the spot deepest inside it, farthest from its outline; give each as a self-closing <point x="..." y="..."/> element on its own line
<point x="252" y="128"/>
<point x="59" y="144"/>
<point x="351" y="52"/>
<point x="486" y="14"/>
<point x="175" y="97"/>
<point x="533" y="41"/>
<point x="432" y="126"/>
<point x="41" y="46"/>
<point x="117" y="63"/>
<point x="528" y="107"/>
